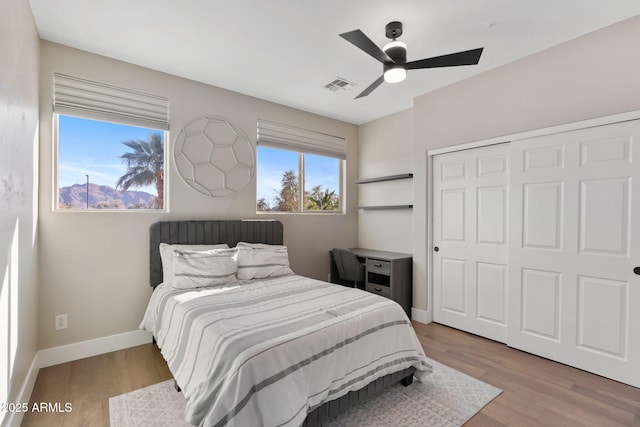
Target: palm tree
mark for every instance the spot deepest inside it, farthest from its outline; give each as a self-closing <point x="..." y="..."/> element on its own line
<point x="319" y="199"/>
<point x="145" y="165"/>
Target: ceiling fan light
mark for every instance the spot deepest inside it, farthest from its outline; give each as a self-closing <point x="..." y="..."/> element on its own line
<point x="395" y="71"/>
<point x="395" y="75"/>
<point x="394" y="43"/>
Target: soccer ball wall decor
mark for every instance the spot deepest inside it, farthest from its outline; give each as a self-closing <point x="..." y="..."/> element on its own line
<point x="214" y="156"/>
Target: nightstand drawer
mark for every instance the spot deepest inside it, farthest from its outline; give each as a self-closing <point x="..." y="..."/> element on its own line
<point x="385" y="291"/>
<point x="378" y="266"/>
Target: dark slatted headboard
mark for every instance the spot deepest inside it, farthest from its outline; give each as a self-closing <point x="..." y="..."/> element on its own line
<point x="208" y="233"/>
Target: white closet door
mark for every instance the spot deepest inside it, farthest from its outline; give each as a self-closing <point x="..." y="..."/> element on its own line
<point x="575" y="219"/>
<point x="470" y="230"/>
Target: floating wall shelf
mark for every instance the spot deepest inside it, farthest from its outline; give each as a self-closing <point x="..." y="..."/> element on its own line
<point x="379" y="208"/>
<point x="384" y="178"/>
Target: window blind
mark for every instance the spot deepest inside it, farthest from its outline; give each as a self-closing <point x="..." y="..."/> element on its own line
<point x="276" y="135"/>
<point x="99" y="101"/>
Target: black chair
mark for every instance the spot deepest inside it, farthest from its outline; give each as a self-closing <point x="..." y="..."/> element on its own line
<point x="350" y="269"/>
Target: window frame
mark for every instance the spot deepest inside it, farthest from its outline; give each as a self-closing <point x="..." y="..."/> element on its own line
<point x="301" y="186"/>
<point x="56" y="163"/>
<point x="286" y="137"/>
<point x="341" y="165"/>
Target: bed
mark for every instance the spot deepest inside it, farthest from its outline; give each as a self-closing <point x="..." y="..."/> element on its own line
<point x="280" y="350"/>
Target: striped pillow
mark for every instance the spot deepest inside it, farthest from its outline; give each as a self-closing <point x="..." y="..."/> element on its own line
<point x="258" y="261"/>
<point x="197" y="269"/>
<point x="166" y="255"/>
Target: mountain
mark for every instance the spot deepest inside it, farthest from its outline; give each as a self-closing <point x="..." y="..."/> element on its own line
<point x="102" y="196"/>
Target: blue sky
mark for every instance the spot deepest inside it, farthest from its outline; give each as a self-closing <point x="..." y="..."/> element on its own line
<point x="90" y="147"/>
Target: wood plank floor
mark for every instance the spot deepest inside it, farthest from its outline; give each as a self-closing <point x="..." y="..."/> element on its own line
<point x="537" y="392"/>
<point x="89" y="383"/>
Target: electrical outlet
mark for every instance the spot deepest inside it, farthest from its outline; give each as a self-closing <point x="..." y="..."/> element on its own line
<point x="61" y="322"/>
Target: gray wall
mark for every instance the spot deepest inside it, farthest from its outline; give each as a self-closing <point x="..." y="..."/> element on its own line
<point x="19" y="46"/>
<point x="94" y="266"/>
<point x="592" y="76"/>
<point x="386" y="148"/>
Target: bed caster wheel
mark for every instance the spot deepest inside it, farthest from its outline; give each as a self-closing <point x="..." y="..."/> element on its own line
<point x="407" y="381"/>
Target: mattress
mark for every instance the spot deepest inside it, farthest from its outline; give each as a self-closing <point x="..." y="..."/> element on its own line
<point x="267" y="352"/>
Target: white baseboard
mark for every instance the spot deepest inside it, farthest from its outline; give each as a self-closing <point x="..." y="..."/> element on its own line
<point x="14" y="419"/>
<point x="422" y="316"/>
<point x="80" y="350"/>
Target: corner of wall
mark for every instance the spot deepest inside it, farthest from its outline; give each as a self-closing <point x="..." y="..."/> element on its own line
<point x="19" y="138"/>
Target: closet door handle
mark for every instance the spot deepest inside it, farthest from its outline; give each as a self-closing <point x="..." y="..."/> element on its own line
<point x="636" y="270"/>
<point x="436" y="249"/>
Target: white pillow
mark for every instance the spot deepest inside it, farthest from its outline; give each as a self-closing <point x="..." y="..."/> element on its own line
<point x="166" y="255"/>
<point x="197" y="269"/>
<point x="258" y="260"/>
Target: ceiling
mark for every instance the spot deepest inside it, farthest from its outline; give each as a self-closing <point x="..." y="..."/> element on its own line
<point x="286" y="51"/>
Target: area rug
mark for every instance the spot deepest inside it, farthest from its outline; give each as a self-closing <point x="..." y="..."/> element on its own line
<point x="447" y="399"/>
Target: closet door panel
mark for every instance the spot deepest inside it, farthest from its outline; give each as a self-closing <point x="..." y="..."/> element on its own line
<point x="471" y="232"/>
<point x="575" y="216"/>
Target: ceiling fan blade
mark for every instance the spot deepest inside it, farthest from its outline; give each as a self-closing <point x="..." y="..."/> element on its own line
<point x="467" y="57"/>
<point x="360" y="40"/>
<point x="371" y="87"/>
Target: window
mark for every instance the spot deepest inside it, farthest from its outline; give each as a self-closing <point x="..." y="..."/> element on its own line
<point x="297" y="171"/>
<point x="117" y="166"/>
<point x="110" y="147"/>
<point x="321" y="183"/>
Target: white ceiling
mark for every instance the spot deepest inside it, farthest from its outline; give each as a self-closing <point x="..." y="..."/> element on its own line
<point x="287" y="50"/>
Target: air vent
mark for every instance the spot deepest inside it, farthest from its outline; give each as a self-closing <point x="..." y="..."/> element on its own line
<point x="339" y="84"/>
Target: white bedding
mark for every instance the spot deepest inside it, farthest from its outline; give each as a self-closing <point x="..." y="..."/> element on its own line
<point x="266" y="352"/>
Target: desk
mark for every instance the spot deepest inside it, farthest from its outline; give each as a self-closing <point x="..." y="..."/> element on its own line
<point x="389" y="274"/>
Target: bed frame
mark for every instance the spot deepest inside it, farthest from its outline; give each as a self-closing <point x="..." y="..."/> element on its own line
<point x="211" y="232"/>
<point x="208" y="233"/>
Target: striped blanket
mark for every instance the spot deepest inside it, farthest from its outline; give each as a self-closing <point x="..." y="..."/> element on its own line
<point x="266" y="352"/>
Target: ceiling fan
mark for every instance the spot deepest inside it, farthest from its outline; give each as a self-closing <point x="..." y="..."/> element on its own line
<point x="394" y="56"/>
